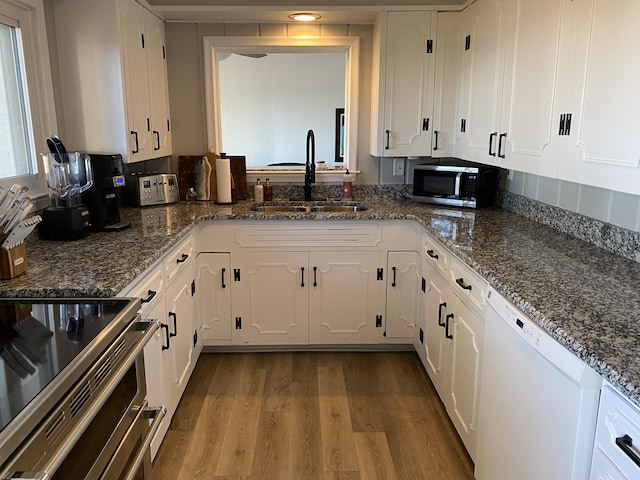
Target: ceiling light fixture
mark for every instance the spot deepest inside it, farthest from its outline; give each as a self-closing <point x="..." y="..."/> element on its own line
<point x="304" y="17"/>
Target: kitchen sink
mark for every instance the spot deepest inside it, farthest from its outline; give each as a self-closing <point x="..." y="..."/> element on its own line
<point x="309" y="207"/>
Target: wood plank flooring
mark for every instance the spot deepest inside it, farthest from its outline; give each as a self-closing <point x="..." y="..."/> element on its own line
<point x="311" y="416"/>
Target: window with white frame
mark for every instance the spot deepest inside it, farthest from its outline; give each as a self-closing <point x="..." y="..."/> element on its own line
<point x="27" y="111"/>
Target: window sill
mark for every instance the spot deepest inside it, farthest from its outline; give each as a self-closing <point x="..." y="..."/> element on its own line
<point x="296" y="176"/>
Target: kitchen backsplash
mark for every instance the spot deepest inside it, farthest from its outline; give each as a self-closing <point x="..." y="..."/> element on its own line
<point x="607" y="236"/>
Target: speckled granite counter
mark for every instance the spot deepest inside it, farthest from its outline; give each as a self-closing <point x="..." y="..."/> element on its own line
<point x="587" y="298"/>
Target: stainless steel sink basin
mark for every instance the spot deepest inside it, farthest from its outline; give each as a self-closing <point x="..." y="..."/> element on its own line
<point x="310" y="207"/>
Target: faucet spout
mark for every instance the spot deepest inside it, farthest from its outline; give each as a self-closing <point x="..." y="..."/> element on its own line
<point x="310" y="165"/>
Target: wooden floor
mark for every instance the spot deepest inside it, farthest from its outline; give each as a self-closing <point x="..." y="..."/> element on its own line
<point x="299" y="415"/>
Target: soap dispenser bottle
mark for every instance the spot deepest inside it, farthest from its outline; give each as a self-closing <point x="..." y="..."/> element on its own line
<point x="258" y="191"/>
<point x="268" y="191"/>
<point x="347" y="186"/>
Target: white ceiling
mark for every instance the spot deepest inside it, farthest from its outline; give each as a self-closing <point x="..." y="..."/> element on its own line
<point x="276" y="11"/>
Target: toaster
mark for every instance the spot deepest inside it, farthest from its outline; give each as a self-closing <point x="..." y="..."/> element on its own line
<point x="142" y="190"/>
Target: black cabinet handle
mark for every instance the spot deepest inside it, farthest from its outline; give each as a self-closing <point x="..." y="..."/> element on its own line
<point x="388" y="134"/>
<point x="442" y="305"/>
<point x="435" y="147"/>
<point x="446" y="328"/>
<point x="431" y="254"/>
<point x="464" y="286"/>
<point x="151" y="294"/>
<point x="183" y="258"/>
<point x="625" y="443"/>
<point x="491" y="137"/>
<point x="166" y="336"/>
<point x="222" y="275"/>
<point x="302" y="281"/>
<point x="502" y="137"/>
<point x="315" y="280"/>
<point x="393" y="282"/>
<point x="175" y="324"/>
<point x="156" y="135"/>
<point x="135" y="136"/>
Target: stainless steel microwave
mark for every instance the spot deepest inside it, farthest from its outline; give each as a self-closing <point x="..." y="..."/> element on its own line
<point x="459" y="184"/>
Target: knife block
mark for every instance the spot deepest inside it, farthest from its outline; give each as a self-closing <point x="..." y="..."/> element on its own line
<point x="13" y="262"/>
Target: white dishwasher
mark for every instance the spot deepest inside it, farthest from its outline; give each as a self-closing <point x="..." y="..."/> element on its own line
<point x="538" y="402"/>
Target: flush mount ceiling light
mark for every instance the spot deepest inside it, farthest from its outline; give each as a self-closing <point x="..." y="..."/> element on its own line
<point x="304" y="17"/>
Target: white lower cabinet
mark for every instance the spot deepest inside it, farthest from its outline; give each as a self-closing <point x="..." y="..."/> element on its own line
<point x="346" y="304"/>
<point x="297" y="298"/>
<point x="434" y="303"/>
<point x="616" y="455"/>
<point x="270" y="298"/>
<point x="465" y="332"/>
<point x="180" y="318"/>
<point x="157" y="362"/>
<point x="453" y="337"/>
<point x="213" y="297"/>
<point x="403" y="282"/>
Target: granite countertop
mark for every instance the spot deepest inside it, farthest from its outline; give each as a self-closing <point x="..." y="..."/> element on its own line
<point x="585" y="297"/>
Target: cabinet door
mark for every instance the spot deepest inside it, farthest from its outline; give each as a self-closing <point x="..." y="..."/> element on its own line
<point x="484" y="25"/>
<point x="158" y="86"/>
<point x="403" y="281"/>
<point x="402" y="122"/>
<point x="346" y="303"/>
<point x="464" y="331"/>
<point x="180" y="315"/>
<point x="158" y="366"/>
<point x="270" y="299"/>
<point x="213" y="296"/>
<point x="603" y="147"/>
<point x="528" y="134"/>
<point x="448" y="49"/>
<point x="136" y="81"/>
<point x="435" y="311"/>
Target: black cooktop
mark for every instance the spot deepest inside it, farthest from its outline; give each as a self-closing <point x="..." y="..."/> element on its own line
<point x="39" y="338"/>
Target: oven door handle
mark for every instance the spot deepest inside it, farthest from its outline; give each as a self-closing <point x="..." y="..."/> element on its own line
<point x="158" y="414"/>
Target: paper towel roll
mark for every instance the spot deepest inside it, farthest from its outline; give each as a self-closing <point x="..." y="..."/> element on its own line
<point x="223" y="179"/>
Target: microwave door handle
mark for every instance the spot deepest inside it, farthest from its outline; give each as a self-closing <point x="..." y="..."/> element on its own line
<point x="457" y="186"/>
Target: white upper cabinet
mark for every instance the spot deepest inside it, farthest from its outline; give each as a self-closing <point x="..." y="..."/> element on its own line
<point x="484" y="35"/>
<point x="402" y="84"/>
<point x="447" y="84"/>
<point x="528" y="128"/>
<point x="113" y="78"/>
<point x="603" y="145"/>
<point x="155" y="47"/>
<point x="510" y="75"/>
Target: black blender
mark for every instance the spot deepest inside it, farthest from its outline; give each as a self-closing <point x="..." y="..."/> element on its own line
<point x="68" y="175"/>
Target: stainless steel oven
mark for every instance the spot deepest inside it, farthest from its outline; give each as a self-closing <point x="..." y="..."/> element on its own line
<point x="80" y="380"/>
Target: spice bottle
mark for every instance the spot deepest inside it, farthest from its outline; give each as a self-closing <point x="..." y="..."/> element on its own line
<point x="347" y="186"/>
<point x="268" y="191"/>
<point x="258" y="191"/>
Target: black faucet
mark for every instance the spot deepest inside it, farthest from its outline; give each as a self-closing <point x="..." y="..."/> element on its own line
<point x="310" y="165"/>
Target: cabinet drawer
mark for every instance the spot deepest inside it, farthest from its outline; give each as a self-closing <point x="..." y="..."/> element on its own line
<point x="435" y="253"/>
<point x="618" y="418"/>
<point x="149" y="287"/>
<point x="309" y="234"/>
<point x="468" y="285"/>
<point x="178" y="258"/>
